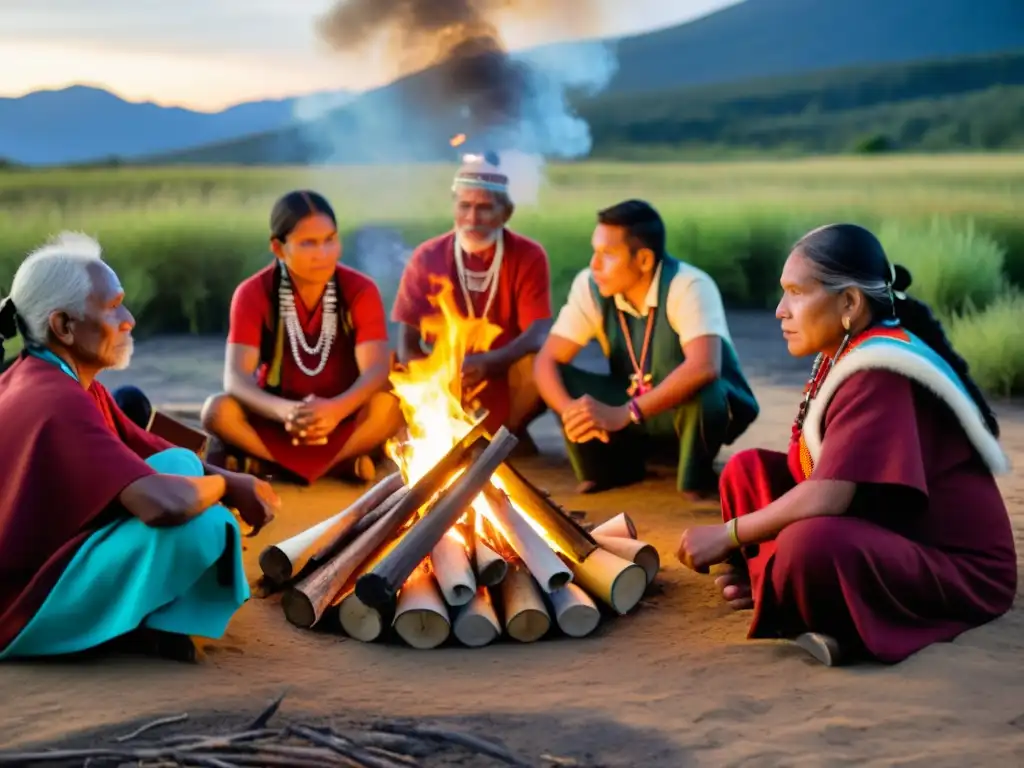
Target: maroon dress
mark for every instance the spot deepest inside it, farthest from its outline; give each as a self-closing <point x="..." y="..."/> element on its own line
<point x="926" y="550"/>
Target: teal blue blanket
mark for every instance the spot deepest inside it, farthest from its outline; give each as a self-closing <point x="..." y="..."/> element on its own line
<point x="188" y="579"/>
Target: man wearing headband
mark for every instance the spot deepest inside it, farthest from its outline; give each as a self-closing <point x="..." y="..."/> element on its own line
<point x="675" y="389"/>
<point x="106" y="531"/>
<point x="497" y="275"/>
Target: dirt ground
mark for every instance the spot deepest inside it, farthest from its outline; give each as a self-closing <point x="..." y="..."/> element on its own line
<point x="673" y="684"/>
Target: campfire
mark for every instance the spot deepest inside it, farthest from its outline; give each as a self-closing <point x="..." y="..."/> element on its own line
<point x="457" y="542"/>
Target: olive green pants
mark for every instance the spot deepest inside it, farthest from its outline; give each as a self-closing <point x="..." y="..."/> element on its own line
<point x="692" y="435"/>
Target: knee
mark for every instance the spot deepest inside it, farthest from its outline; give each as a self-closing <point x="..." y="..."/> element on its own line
<point x="216" y="410"/>
<point x="741" y="466"/>
<point x="177" y="461"/>
<point x="209" y="533"/>
<point x="385" y="410"/>
<point x="811" y="548"/>
<point x="134" y="404"/>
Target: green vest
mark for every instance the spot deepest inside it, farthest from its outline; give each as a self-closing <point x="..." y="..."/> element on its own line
<point x="666" y="354"/>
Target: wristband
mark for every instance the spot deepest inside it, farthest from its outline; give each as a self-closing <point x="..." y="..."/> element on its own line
<point x="635" y="414"/>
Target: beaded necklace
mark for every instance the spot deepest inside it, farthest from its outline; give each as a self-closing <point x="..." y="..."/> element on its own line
<point x="296" y="336"/>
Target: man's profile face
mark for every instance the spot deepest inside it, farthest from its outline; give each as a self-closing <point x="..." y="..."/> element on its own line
<point x="479" y="218"/>
<point x="614" y="267"/>
<point x="103" y="337"/>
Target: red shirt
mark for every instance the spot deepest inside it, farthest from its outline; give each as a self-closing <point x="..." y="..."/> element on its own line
<point x="250" y="308"/>
<point x="362" y="319"/>
<point x="523" y="293"/>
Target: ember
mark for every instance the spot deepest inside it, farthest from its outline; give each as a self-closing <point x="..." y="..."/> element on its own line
<point x="456" y="542"/>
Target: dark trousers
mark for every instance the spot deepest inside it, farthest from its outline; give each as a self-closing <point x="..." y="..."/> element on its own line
<point x="691" y="435"/>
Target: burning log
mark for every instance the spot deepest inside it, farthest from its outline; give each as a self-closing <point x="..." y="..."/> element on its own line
<point x="526" y="616"/>
<point x="621" y="525"/>
<point x="547" y="568"/>
<point x="639" y="552"/>
<point x="576" y="614"/>
<point x="490" y="566"/>
<point x="421" y="617"/>
<point x="280" y="562"/>
<point x="571" y="539"/>
<point x="383" y="582"/>
<point x="304" y="604"/>
<point x="612" y="579"/>
<point x="452" y="570"/>
<point x="477" y="622"/>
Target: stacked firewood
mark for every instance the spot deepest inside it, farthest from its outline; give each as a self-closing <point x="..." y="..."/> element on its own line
<point x="416" y="559"/>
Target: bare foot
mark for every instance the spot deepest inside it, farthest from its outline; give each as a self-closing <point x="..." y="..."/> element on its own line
<point x="734" y="582"/>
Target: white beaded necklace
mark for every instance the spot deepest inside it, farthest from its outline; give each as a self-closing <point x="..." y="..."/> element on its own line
<point x="478" y="282"/>
<point x="297" y="337"/>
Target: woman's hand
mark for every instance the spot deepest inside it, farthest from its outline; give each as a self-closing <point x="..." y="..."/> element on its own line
<point x="255" y="500"/>
<point x="313" y="420"/>
<point x="703" y="546"/>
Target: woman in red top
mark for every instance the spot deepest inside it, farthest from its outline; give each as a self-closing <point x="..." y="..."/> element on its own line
<point x="307" y="362"/>
<point x="883" y="530"/>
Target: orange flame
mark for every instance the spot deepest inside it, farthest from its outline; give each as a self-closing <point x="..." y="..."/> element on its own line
<point x="458" y="140"/>
<point x="430" y="394"/>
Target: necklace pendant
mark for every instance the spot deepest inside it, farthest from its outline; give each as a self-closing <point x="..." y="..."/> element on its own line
<point x="640" y="386"/>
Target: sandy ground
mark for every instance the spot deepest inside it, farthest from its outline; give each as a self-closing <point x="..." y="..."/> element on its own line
<point x="673" y="684"/>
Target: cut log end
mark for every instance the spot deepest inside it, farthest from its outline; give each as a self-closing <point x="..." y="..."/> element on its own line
<point x="575" y="612"/>
<point x="374" y="589"/>
<point x="528" y="626"/>
<point x="639" y="552"/>
<point x="360" y="621"/>
<point x="628" y="588"/>
<point x="422" y="629"/>
<point x="275" y="564"/>
<point x="298" y="609"/>
<point x="612" y="579"/>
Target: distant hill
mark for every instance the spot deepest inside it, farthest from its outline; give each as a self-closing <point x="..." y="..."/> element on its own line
<point x="775" y="41"/>
<point x="82" y="123"/>
<point x="767" y="39"/>
<point x="772" y="38"/>
<point x="974" y="102"/>
<point x="971" y="102"/>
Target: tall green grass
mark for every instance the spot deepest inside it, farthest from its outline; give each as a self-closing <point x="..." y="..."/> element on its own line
<point x="182" y="239"/>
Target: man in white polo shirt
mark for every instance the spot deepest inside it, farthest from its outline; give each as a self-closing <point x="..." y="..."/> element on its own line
<point x="675" y="387"/>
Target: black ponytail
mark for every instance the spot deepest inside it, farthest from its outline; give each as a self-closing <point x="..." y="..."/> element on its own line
<point x="8" y="325"/>
<point x="917" y="317"/>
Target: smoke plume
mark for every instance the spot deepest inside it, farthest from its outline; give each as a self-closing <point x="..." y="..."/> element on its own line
<point x="459" y="77"/>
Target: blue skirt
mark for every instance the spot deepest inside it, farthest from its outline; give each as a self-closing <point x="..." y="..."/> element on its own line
<point x="188" y="579"/>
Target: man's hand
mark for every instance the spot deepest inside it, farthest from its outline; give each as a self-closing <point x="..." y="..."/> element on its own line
<point x="476" y="369"/>
<point x="313" y="420"/>
<point x="255" y="500"/>
<point x="587" y="419"/>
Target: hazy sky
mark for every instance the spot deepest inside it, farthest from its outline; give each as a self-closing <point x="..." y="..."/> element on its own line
<point x="206" y="54"/>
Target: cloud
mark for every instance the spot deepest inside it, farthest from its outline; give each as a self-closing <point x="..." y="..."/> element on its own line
<point x="181" y="26"/>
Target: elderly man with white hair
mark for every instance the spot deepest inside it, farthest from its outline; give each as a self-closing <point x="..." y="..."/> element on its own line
<point x="498" y="275"/>
<point x="107" y="532"/>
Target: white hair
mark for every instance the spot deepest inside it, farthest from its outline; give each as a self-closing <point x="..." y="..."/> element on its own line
<point x="54" y="278"/>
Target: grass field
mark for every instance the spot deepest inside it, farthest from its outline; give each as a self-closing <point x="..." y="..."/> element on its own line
<point x="182" y="238"/>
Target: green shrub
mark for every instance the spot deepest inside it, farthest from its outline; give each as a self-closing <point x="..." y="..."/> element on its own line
<point x="954" y="266"/>
<point x="992" y="344"/>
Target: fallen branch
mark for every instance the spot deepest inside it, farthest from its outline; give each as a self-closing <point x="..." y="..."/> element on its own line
<point x="154" y="724"/>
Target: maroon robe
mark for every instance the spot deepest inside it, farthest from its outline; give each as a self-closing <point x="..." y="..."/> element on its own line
<point x="66" y="455"/>
<point x="926" y="550"/>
